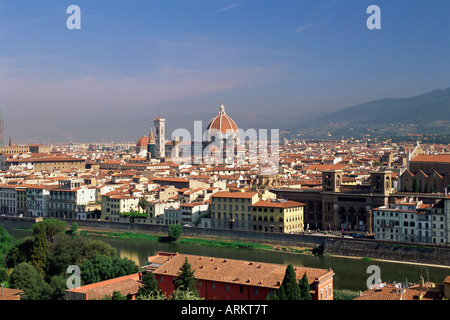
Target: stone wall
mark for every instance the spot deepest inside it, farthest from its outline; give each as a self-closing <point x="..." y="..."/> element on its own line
<point x="406" y="252"/>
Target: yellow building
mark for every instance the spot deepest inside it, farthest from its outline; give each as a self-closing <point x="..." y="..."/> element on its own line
<point x="254" y="211"/>
<point x="277" y="216"/>
<point x="232" y="210"/>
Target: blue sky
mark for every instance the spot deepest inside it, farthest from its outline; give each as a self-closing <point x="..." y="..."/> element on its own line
<point x="270" y="61"/>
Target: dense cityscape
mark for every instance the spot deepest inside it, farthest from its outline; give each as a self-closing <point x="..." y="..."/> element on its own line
<point x="213" y="158"/>
<point x="339" y="189"/>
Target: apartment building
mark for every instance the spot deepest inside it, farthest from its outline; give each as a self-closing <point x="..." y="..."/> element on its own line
<point x="70" y="198"/>
<point x="254" y="211"/>
<point x="278" y="216"/>
<point x="115" y="203"/>
<point x="37" y="200"/>
<point x="8" y="199"/>
<point x="412" y="221"/>
<point x="233" y="210"/>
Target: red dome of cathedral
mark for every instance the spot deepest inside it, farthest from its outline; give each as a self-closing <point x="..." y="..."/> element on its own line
<point x="222" y="122"/>
<point x="142" y="142"/>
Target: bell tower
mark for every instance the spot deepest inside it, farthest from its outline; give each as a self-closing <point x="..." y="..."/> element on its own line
<point x="160" y="136"/>
<point x="331" y="180"/>
<point x="381" y="182"/>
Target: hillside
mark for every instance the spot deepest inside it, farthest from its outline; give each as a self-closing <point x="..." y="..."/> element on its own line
<point x="427" y="113"/>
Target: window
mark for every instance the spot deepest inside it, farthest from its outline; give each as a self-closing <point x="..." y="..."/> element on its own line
<point x="227" y="287"/>
<point x="213" y="285"/>
<point x="255" y="291"/>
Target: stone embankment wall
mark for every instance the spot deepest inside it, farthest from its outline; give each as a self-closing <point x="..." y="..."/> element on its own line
<point x="405" y="252"/>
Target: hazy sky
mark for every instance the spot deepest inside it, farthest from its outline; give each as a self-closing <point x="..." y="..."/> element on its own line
<point x="270" y="61"/>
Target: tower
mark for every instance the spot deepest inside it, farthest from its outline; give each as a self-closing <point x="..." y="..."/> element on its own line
<point x="160" y="140"/>
<point x="381" y="182"/>
<point x="331" y="180"/>
<point x="151" y="147"/>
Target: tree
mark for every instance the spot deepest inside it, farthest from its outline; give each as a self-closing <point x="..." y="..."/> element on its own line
<point x="143" y="204"/>
<point x="51" y="227"/>
<point x="7" y="243"/>
<point x="39" y="252"/>
<point x="20" y="253"/>
<point x="25" y="277"/>
<point x="186" y="279"/>
<point x="103" y="267"/>
<point x="303" y="284"/>
<point x="179" y="294"/>
<point x="175" y="231"/>
<point x="149" y="285"/>
<point x="74" y="228"/>
<point x="289" y="289"/>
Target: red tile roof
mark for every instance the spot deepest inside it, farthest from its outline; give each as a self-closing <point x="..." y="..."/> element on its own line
<point x="268" y="275"/>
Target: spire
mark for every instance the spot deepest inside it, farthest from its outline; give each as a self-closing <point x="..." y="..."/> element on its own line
<point x="222" y="108"/>
<point x="151" y="137"/>
<point x="10" y="141"/>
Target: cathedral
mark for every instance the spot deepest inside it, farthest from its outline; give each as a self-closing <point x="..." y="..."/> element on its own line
<point x="219" y="142"/>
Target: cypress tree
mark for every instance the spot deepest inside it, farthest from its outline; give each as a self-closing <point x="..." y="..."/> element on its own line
<point x="149" y="285"/>
<point x="185" y="279"/>
<point x="39" y="252"/>
<point x="289" y="289"/>
<point x="304" y="288"/>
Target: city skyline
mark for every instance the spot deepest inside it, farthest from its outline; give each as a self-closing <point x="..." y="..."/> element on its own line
<point x="129" y="63"/>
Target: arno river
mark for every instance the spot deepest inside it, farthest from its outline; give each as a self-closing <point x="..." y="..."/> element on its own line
<point x="349" y="273"/>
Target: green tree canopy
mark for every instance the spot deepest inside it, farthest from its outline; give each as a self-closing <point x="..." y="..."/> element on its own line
<point x="7" y="242"/>
<point x="175" y="231"/>
<point x="25" y="277"/>
<point x="103" y="267"/>
<point x="51" y="227"/>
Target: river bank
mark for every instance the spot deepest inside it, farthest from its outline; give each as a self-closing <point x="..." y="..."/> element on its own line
<point x="220" y="242"/>
<point x="199" y="241"/>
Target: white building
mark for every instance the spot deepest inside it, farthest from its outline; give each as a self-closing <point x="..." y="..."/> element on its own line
<point x="37" y="200"/>
<point x="8" y="200"/>
<point x="70" y="198"/>
<point x="412" y="222"/>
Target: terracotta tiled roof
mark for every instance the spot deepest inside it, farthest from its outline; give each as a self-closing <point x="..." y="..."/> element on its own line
<point x="390" y="292"/>
<point x="278" y="204"/>
<point x="129" y="284"/>
<point x="443" y="158"/>
<point x="228" y="194"/>
<point x="268" y="275"/>
<point x="10" y="294"/>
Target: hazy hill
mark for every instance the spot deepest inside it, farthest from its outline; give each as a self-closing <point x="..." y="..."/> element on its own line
<point x="429" y="112"/>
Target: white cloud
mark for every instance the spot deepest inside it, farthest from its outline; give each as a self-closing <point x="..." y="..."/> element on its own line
<point x="231" y="6"/>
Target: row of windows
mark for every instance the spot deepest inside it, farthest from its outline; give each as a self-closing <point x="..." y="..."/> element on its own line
<point x="326" y="293"/>
<point x="237" y="200"/>
<point x="236" y="207"/>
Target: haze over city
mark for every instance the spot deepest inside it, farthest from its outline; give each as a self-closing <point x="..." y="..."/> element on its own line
<point x="269" y="61"/>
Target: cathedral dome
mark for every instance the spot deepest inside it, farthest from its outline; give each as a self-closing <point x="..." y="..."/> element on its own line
<point x="142" y="142"/>
<point x="222" y="122"/>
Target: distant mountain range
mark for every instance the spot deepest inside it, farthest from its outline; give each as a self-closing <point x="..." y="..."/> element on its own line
<point x="427" y="113"/>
